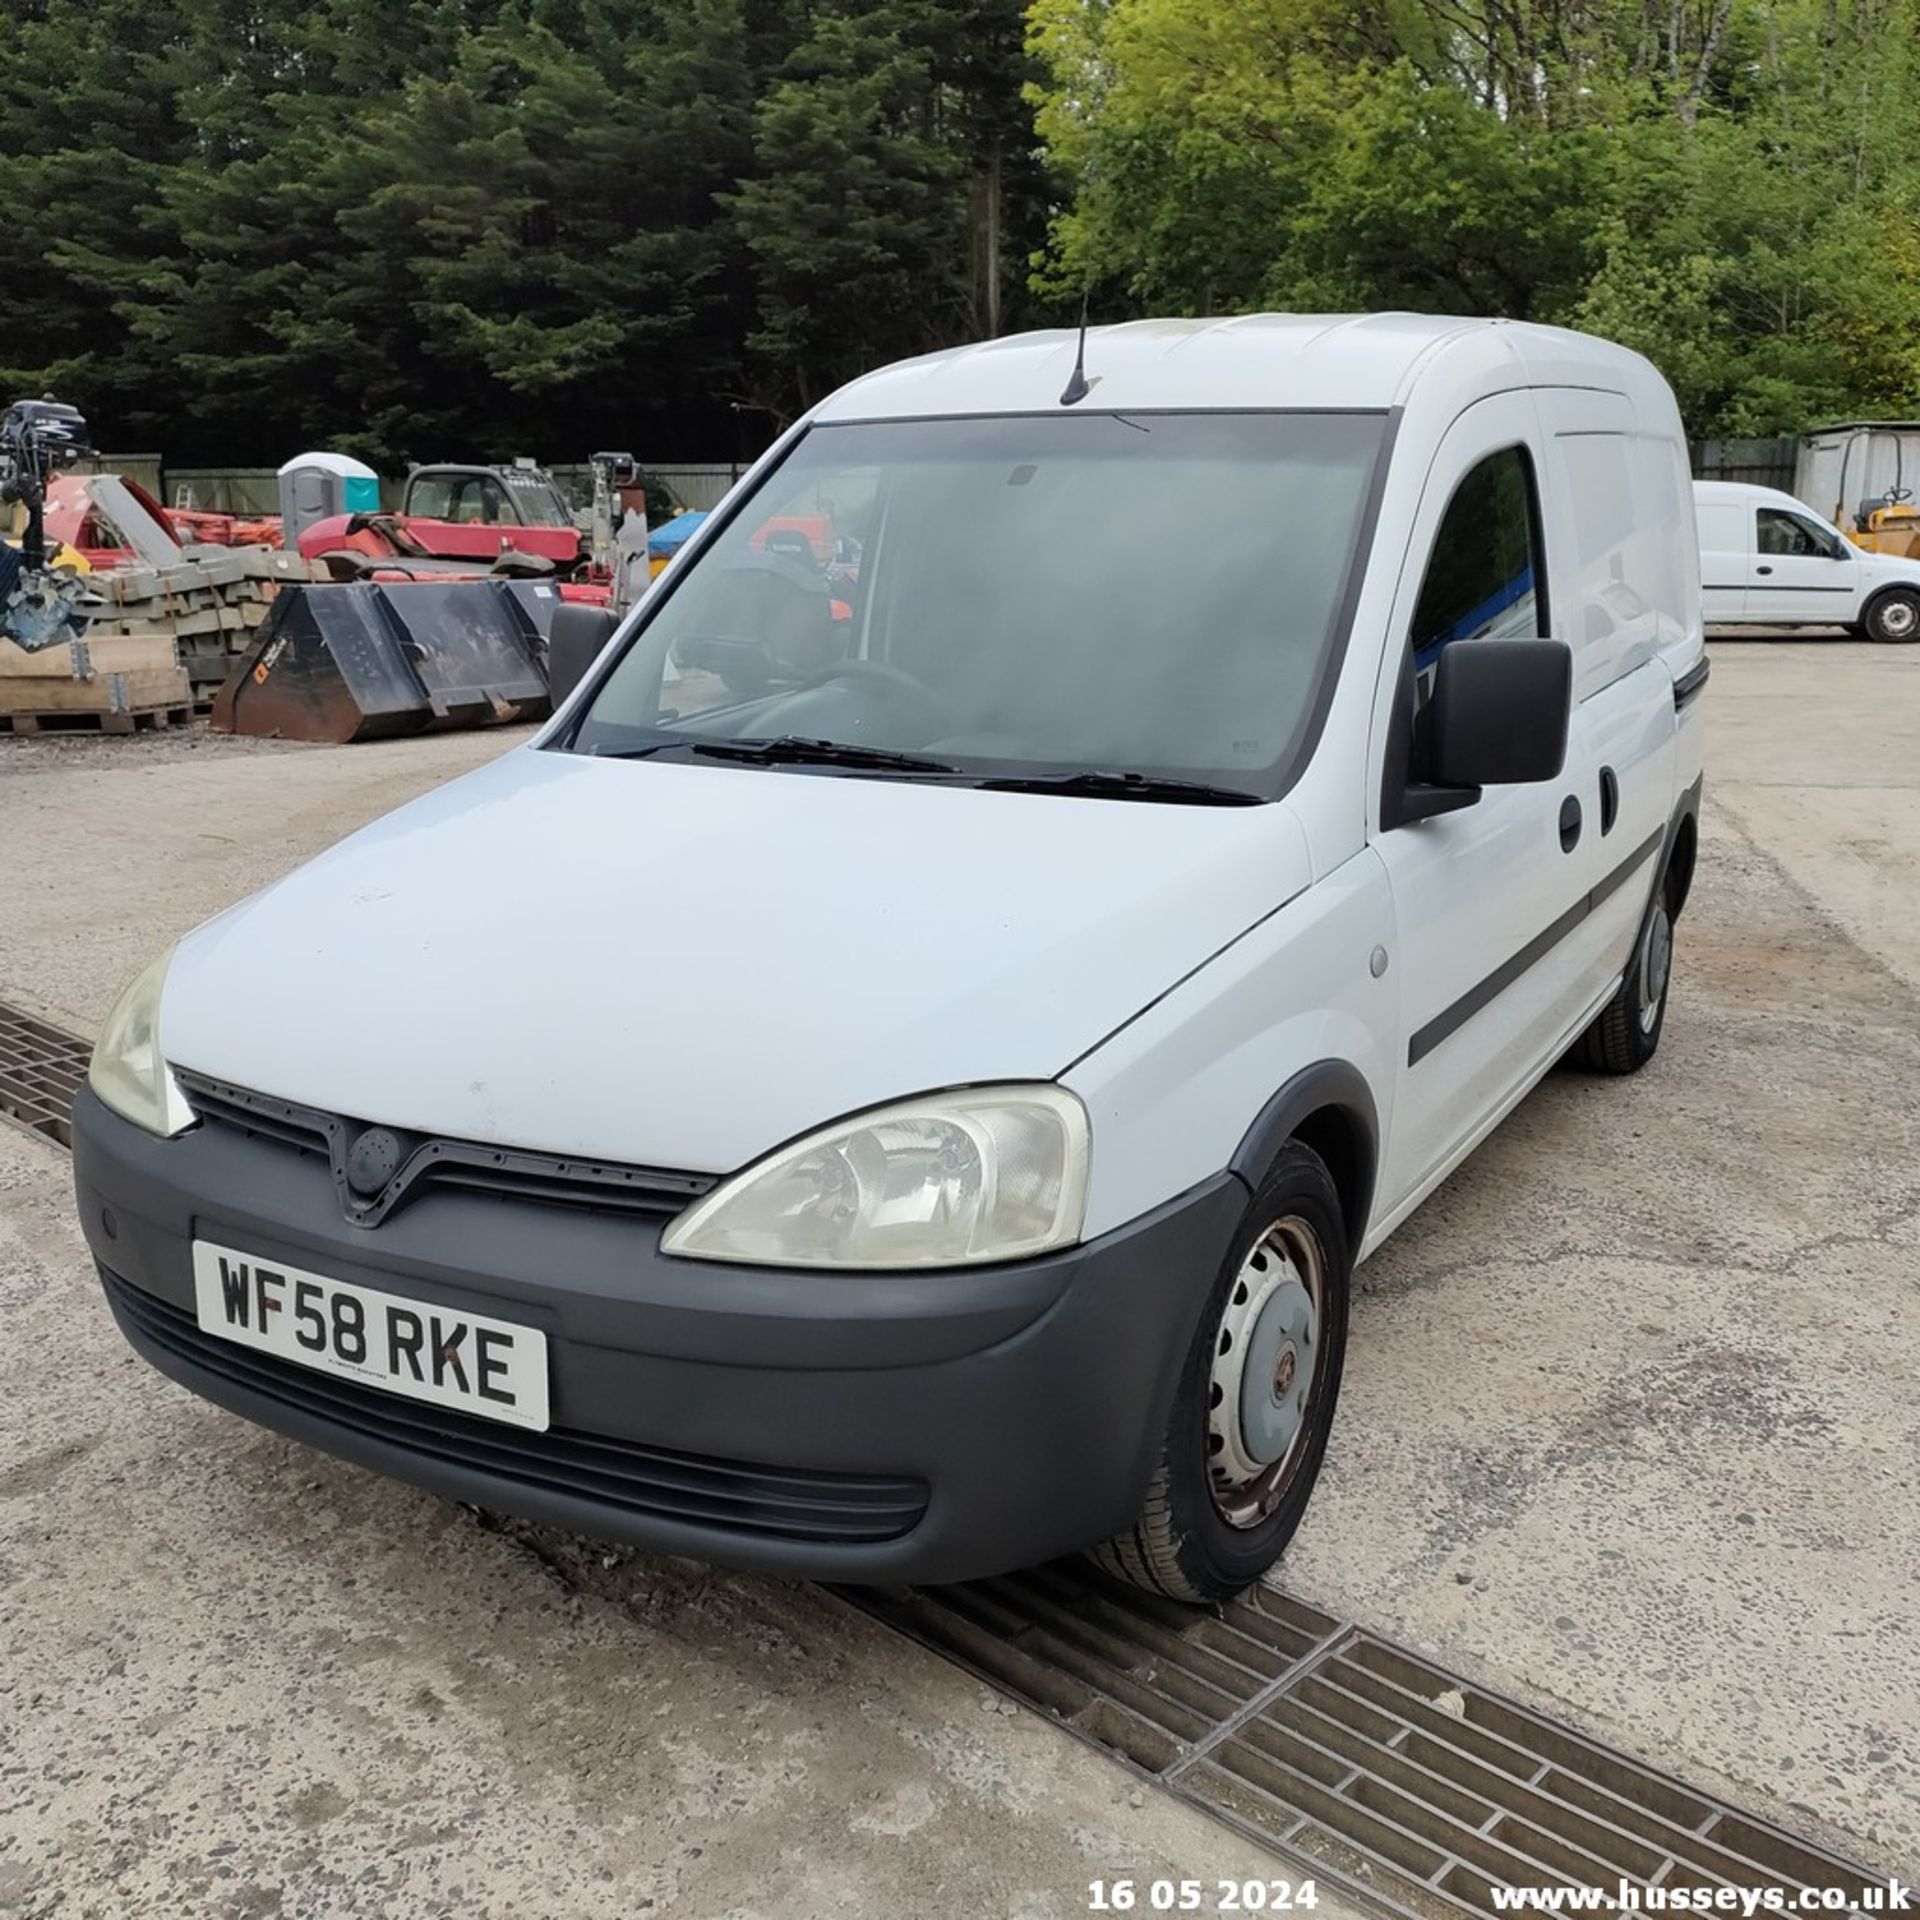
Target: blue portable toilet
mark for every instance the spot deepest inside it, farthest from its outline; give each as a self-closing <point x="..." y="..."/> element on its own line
<point x="317" y="486"/>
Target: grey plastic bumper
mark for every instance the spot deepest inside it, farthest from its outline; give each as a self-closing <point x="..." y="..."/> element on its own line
<point x="1027" y="1400"/>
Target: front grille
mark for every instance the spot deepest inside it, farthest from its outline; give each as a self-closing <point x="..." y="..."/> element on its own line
<point x="429" y="1162"/>
<point x="726" y="1496"/>
<point x="257" y="1116"/>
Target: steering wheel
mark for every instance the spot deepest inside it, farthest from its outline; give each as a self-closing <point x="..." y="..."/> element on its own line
<point x="895" y="682"/>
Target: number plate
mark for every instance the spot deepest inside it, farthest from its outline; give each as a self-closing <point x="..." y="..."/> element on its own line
<point x="452" y="1358"/>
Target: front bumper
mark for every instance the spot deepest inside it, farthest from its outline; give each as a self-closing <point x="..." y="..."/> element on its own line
<point x="871" y="1427"/>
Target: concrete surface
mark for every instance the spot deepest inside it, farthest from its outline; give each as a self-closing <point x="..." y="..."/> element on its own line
<point x="1630" y="1431"/>
<point x="1631" y="1424"/>
<point x="244" y="1680"/>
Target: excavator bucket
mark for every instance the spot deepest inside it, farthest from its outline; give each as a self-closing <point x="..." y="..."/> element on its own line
<point x="367" y="661"/>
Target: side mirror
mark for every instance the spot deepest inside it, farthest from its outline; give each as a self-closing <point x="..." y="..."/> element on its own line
<point x="1497" y="717"/>
<point x="575" y="641"/>
<point x="1499" y="713"/>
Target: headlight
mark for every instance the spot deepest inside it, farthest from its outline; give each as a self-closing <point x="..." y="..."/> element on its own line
<point x="127" y="1071"/>
<point x="988" y="1173"/>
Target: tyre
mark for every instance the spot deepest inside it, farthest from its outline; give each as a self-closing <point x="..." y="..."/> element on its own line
<point x="1893" y="616"/>
<point x="1254" y="1404"/>
<point x="1626" y="1033"/>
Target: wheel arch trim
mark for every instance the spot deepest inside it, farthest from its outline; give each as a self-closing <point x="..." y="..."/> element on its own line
<point x="1679" y="853"/>
<point x="1329" y="1107"/>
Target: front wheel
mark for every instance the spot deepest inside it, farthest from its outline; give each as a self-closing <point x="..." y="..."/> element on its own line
<point x="1254" y="1405"/>
<point x="1893" y="616"/>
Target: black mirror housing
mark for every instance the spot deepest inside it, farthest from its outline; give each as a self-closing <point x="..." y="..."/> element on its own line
<point x="1498" y="716"/>
<point x="1499" y="713"/>
<point x="575" y="640"/>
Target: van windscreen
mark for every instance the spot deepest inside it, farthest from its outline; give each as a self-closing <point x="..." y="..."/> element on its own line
<point x="1150" y="594"/>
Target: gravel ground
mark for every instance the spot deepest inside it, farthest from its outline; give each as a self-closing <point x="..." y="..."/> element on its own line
<point x="1631" y="1430"/>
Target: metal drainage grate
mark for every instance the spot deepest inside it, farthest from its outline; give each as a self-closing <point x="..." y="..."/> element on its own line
<point x="1405" y="1782"/>
<point x="1409" y="1786"/>
<point x="41" y="1069"/>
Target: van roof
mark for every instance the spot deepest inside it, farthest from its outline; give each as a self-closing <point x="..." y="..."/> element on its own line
<point x="1861" y="426"/>
<point x="1268" y="361"/>
<point x="1744" y="493"/>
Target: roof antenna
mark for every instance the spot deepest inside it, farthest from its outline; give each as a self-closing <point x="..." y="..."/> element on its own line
<point x="1078" y="385"/>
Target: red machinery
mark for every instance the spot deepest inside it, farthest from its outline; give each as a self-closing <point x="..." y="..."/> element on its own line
<point x="443" y="622"/>
<point x="114" y="522"/>
<point x="457" y="519"/>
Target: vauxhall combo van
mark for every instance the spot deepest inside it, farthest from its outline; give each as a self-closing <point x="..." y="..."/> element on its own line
<point x="1766" y="559"/>
<point x="1000" y="961"/>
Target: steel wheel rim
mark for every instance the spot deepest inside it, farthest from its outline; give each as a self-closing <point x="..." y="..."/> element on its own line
<point x="1268" y="1373"/>
<point x="1897" y="618"/>
<point x="1656" y="968"/>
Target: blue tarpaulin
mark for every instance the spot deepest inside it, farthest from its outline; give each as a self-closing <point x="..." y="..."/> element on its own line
<point x="669" y="539"/>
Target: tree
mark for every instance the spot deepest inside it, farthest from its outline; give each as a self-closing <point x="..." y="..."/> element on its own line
<point x="1764" y="250"/>
<point x="552" y="209"/>
<point x="455" y="227"/>
<point x="1729" y="186"/>
<point x="892" y="174"/>
<point x="90" y="127"/>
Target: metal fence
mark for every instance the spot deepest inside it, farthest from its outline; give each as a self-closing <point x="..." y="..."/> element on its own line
<point x="703" y="484"/>
<point x="1760" y="463"/>
<point x="243" y="490"/>
<point x="143" y="469"/>
<point x="256" y="490"/>
<point x="694" y="483"/>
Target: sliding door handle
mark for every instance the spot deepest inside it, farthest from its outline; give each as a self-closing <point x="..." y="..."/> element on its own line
<point x="1569" y="823"/>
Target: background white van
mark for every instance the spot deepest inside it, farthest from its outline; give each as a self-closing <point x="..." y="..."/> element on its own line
<point x="1768" y="560"/>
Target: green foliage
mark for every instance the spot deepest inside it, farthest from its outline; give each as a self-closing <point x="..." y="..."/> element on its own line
<point x="436" y="228"/>
<point x="887" y="147"/>
<point x="855" y="219"/>
<point x="83" y="151"/>
<point x="1730" y="189"/>
<point x="479" y="227"/>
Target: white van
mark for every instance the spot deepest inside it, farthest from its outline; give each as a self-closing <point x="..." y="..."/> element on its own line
<point x="1063" y="866"/>
<point x="1768" y="560"/>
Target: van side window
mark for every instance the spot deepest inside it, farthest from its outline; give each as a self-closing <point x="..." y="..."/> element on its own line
<point x="1781" y="532"/>
<point x="1485" y="577"/>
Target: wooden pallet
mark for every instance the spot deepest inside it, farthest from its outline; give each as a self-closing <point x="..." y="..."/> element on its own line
<point x="162" y="643"/>
<point x="99" y="720"/>
<point x="93" y="686"/>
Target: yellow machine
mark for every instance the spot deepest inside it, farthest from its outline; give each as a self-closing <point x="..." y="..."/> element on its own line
<point x="60" y="555"/>
<point x="1890" y="524"/>
<point x="1854" y="472"/>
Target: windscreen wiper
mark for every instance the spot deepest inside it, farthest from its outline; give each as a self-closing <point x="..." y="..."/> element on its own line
<point x="791" y="750"/>
<point x="1097" y="783"/>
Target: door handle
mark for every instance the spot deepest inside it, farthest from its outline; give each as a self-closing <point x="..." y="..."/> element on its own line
<point x="1609" y="800"/>
<point x="1763" y="569"/>
<point x="1569" y="823"/>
